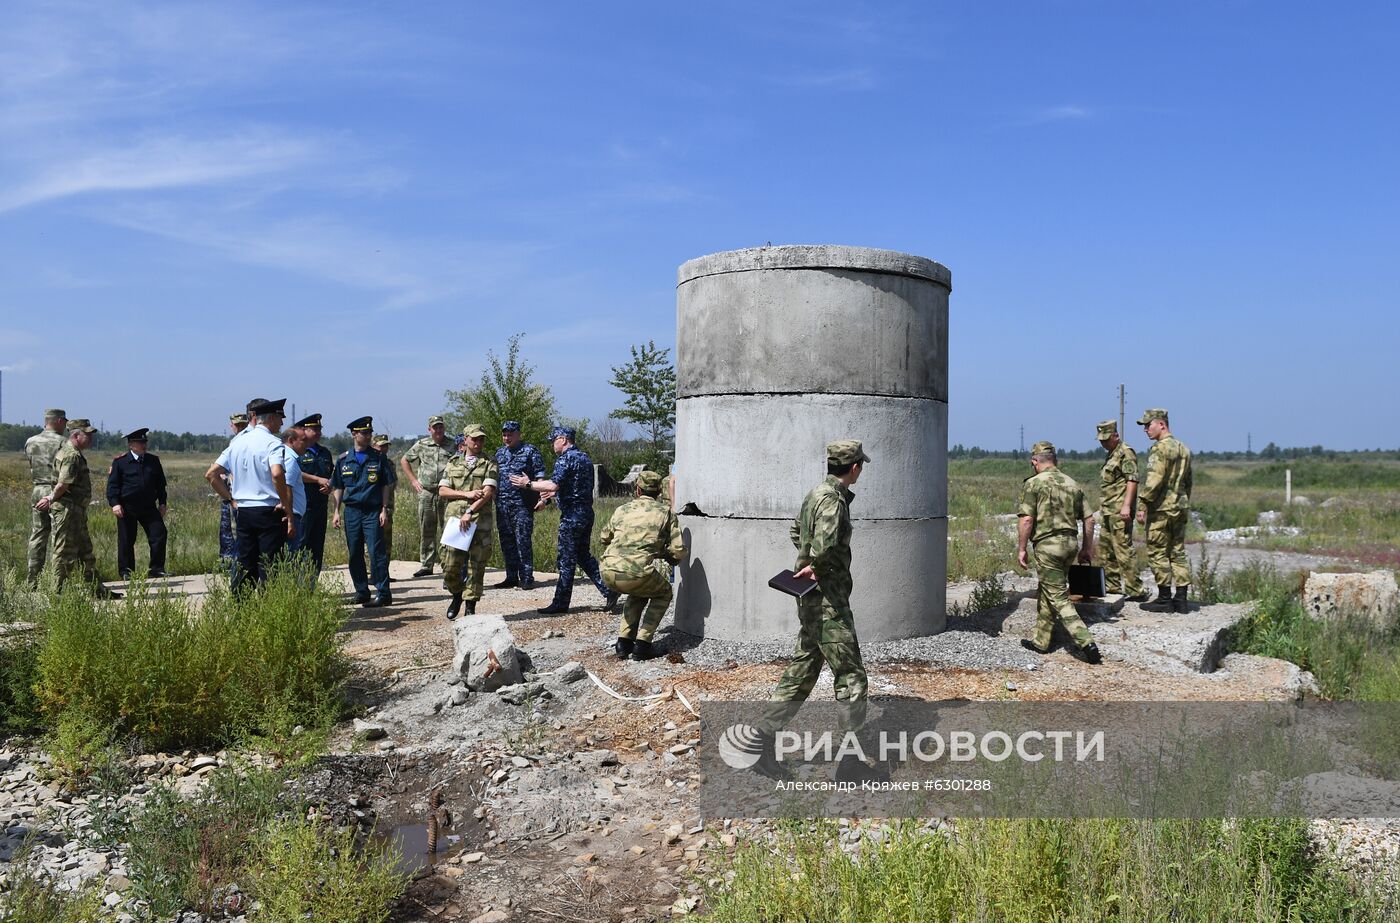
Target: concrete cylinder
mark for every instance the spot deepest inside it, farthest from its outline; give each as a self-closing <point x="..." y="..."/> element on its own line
<point x="779" y="351"/>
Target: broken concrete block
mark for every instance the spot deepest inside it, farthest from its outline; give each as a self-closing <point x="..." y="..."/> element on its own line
<point x="486" y="657"/>
<point x="1332" y="596"/>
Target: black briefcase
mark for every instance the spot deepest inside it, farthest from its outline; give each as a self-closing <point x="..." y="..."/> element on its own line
<point x="1086" y="580"/>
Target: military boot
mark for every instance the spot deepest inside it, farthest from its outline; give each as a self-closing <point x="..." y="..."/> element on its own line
<point x="1179" y="602"/>
<point x="643" y="651"/>
<point x="1163" y="602"/>
<point x="623" y="647"/>
<point x="471" y="607"/>
<point x="505" y="584"/>
<point x="1089" y="653"/>
<point x="454" y="608"/>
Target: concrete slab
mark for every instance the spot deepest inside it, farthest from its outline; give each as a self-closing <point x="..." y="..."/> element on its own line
<point x="906" y="439"/>
<point x="722" y="587"/>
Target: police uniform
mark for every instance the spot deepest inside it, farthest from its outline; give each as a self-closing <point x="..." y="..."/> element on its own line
<point x="315" y="460"/>
<point x="1055" y="505"/>
<point x="1117" y="478"/>
<point x="40" y="450"/>
<point x="827" y="636"/>
<point x="262" y="516"/>
<point x="381" y="442"/>
<point x="515" y="509"/>
<point x="463" y="572"/>
<point x="1166" y="503"/>
<point x="136" y="483"/>
<point x="642" y="541"/>
<point x="573" y="476"/>
<point x="360" y="479"/>
<point x="72" y="542"/>
<point x="427" y="458"/>
<point x="228" y="542"/>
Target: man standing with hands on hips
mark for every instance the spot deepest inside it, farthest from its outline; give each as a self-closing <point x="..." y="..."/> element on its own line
<point x="136" y="494"/>
<point x="361" y="483"/>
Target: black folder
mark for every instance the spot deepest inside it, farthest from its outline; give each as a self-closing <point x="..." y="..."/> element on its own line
<point x="1086" y="580"/>
<point x="789" y="583"/>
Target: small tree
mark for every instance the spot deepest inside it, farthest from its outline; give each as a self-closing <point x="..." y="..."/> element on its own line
<point x="505" y="392"/>
<point x="649" y="382"/>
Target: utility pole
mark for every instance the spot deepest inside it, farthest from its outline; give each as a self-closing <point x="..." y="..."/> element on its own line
<point x="1122" y="393"/>
<point x="1023" y="439"/>
<point x="1249" y="443"/>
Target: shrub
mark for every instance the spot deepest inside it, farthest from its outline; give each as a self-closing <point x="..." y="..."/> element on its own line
<point x="303" y="874"/>
<point x="31" y="899"/>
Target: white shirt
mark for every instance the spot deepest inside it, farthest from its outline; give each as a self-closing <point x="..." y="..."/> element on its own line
<point x="248" y="460"/>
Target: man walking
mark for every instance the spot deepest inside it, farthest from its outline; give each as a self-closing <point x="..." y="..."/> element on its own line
<point x="137" y="495"/>
<point x="572" y="484"/>
<point x="1166" y="508"/>
<point x="1118" y="486"/>
<point x="1051" y="509"/>
<point x="68" y="500"/>
<point x="40" y="450"/>
<point x="468" y="487"/>
<point x="360" y="483"/>
<point x="258" y="490"/>
<point x="423" y="465"/>
<point x="515" y="506"/>
<point x="643" y="541"/>
<point x="317" y="465"/>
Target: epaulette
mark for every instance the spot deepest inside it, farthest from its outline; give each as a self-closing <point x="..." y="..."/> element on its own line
<point x="342" y="456"/>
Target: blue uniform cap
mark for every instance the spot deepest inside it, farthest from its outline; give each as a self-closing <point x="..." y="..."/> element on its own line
<point x="510" y="426"/>
<point x="566" y="431"/>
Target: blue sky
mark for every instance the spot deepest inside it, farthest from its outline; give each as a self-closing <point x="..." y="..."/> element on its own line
<point x="349" y="204"/>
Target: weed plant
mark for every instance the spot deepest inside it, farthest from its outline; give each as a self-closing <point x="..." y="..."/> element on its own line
<point x="1029" y="871"/>
<point x="29" y="898"/>
<point x="304" y="874"/>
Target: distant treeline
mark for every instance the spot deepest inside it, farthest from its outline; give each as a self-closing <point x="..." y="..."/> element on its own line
<point x="1270" y="452"/>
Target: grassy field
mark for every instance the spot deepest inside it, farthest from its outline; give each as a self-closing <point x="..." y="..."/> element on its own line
<point x="193" y="520"/>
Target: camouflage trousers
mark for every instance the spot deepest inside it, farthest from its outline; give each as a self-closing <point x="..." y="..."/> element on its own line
<point x="40" y="531"/>
<point x="1166" y="548"/>
<point x="827" y="637"/>
<point x="431" y="509"/>
<point x="650" y="594"/>
<point x="1053" y="557"/>
<point x="1120" y="570"/>
<point x="465" y="571"/>
<point x="228" y="543"/>
<point x="72" y="543"/>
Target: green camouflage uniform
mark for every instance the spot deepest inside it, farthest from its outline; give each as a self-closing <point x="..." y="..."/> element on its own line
<point x="72" y="543"/>
<point x="427" y="460"/>
<point x="1115" y="535"/>
<point x="464" y="475"/>
<point x="381" y="443"/>
<point x="1056" y="506"/>
<point x="1166" y="497"/>
<point x="642" y="541"/>
<point x="822" y="535"/>
<point x="40" y="449"/>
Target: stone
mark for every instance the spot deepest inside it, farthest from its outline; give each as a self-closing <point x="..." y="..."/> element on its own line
<point x="571" y="672"/>
<point x="596" y="759"/>
<point x="486" y="656"/>
<point x="1373" y="596"/>
<point x="458" y="696"/>
<point x="491" y="916"/>
<point x="369" y="730"/>
<point x="520" y="762"/>
<point x="472" y="858"/>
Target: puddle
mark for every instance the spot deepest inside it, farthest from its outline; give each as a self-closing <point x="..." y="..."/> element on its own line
<point x="411" y="840"/>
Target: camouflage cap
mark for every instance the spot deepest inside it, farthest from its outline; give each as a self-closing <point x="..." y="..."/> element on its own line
<point x="474" y="431"/>
<point x="846" y="452"/>
<point x="649" y="482"/>
<point x="1154" y="413"/>
<point x="566" y="431"/>
<point x="81" y="426"/>
<point x="380" y="440"/>
<point x="1107" y="428"/>
<point x="436" y="420"/>
<point x="1043" y="447"/>
<point x="54" y="413"/>
<point x="510" y="426"/>
<point x="239" y="419"/>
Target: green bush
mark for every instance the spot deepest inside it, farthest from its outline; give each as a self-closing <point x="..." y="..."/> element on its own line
<point x="30" y="899"/>
<point x="303" y="874"/>
<point x="175" y="672"/>
<point x="1047" y="870"/>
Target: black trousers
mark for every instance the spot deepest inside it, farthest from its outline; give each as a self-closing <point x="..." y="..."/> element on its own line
<point x="262" y="534"/>
<point x="147" y="518"/>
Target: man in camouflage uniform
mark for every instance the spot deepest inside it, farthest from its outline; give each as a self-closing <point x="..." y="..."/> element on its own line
<point x="1166" y="508"/>
<point x="68" y="499"/>
<point x="40" y="450"/>
<point x="1118" y="485"/>
<point x="423" y="464"/>
<point x="382" y="442"/>
<point x="827" y="632"/>
<point x="1050" y="509"/>
<point x="467" y="486"/>
<point x="515" y="506"/>
<point x="228" y="543"/>
<point x="643" y="541"/>
<point x="572" y="484"/>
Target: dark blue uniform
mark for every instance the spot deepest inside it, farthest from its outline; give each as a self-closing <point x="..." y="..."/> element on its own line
<point x="139" y="486"/>
<point x="573" y="474"/>
<point x="515" y="509"/>
<point x="311" y="534"/>
<point x="364" y="483"/>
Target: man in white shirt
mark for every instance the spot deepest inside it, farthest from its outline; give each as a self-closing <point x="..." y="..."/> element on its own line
<point x="260" y="495"/>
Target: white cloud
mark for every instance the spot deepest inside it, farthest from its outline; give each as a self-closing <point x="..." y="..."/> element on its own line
<point x="1066" y="113"/>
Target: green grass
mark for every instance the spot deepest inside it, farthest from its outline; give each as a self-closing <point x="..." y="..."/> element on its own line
<point x="1029" y="871"/>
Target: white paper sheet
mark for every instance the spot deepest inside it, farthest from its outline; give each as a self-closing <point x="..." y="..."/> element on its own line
<point x="454" y="537"/>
